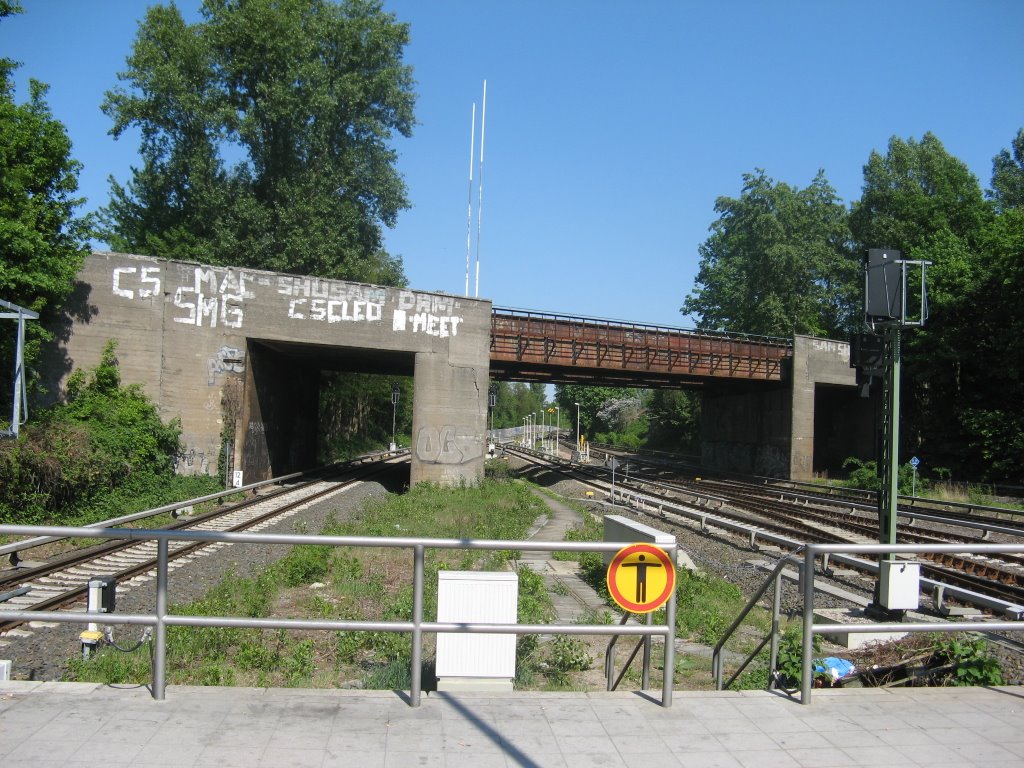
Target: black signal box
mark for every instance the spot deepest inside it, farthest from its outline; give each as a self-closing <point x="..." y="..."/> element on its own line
<point x="883" y="285"/>
<point x="867" y="352"/>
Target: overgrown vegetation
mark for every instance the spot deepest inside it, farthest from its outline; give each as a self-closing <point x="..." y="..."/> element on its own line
<point x="864" y="475"/>
<point x="103" y="452"/>
<point x="363" y="584"/>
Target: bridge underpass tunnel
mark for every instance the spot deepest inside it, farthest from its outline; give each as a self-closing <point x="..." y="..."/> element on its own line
<point x="808" y="423"/>
<point x="308" y="404"/>
<point x="844" y="426"/>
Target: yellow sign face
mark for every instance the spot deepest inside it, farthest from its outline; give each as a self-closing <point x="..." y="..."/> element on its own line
<point x="641" y="578"/>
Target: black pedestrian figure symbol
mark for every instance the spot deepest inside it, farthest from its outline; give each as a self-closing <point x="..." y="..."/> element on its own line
<point x="641" y="577"/>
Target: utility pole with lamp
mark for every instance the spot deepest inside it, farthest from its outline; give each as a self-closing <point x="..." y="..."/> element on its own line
<point x="878" y="354"/>
<point x="396" y="394"/>
<point x="492" y="400"/>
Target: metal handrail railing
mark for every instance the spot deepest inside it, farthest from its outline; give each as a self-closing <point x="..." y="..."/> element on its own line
<point x="160" y="620"/>
<point x="753" y="338"/>
<point x="609" y="658"/>
<point x="810" y="629"/>
<point x="717" y="667"/>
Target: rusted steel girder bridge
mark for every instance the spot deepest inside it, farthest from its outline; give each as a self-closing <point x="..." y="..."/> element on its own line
<point x="541" y="347"/>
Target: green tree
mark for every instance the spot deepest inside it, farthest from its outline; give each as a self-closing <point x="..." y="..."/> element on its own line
<point x="265" y="136"/>
<point x="1008" y="175"/>
<point x="913" y="192"/>
<point x="777" y="262"/>
<point x="591" y="400"/>
<point x="961" y="404"/>
<point x="42" y="242"/>
<point x="674" y="420"/>
<point x="105" y="436"/>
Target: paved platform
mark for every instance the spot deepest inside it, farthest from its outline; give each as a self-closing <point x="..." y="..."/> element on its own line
<point x="46" y="725"/>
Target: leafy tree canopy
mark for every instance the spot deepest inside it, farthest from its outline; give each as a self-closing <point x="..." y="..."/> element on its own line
<point x="42" y="241"/>
<point x="514" y="400"/>
<point x="265" y="134"/>
<point x="914" y="191"/>
<point x="1008" y="175"/>
<point x="777" y="262"/>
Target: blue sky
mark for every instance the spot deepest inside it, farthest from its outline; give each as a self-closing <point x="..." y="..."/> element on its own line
<point x="611" y="126"/>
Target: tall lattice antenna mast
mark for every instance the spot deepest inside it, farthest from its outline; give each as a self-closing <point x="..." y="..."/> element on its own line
<point x="469" y="194"/>
<point x="480" y="200"/>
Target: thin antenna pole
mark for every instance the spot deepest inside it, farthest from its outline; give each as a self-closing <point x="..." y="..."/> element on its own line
<point x="480" y="202"/>
<point x="469" y="195"/>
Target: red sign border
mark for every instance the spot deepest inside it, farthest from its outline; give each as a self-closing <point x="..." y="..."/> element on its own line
<point x="651" y="605"/>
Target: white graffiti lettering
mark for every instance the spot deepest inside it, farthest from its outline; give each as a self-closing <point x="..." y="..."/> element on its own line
<point x="334" y="290"/>
<point x="146" y="278"/>
<point x="426" y="302"/>
<point x="337" y="311"/>
<point x="210" y="298"/>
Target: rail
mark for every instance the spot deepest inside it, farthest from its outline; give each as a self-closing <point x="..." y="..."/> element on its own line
<point x="810" y="629"/>
<point x="160" y="619"/>
<point x="14" y="548"/>
<point x="708" y="519"/>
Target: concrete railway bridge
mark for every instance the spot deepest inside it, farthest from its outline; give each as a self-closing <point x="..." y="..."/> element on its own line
<point x="237" y="353"/>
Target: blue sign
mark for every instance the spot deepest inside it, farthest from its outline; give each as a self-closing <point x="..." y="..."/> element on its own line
<point x="914" y="462"/>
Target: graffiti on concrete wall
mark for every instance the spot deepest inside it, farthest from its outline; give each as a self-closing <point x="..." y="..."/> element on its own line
<point x="191" y="462"/>
<point x="227" y="360"/>
<point x="215" y="297"/>
<point x="447" y="445"/>
<point x="839" y="348"/>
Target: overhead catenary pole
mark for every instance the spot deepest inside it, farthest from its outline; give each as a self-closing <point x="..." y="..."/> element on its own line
<point x="480" y="199"/>
<point x="469" y="194"/>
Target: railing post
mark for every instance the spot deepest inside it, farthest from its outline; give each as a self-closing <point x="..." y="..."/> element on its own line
<point x="160" y="631"/>
<point x="669" y="675"/>
<point x="807" y="669"/>
<point x="773" y="649"/>
<point x="417" y="633"/>
<point x="645" y="681"/>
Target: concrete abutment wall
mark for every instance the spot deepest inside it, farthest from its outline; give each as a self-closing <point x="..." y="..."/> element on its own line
<point x="809" y="423"/>
<point x="223" y="346"/>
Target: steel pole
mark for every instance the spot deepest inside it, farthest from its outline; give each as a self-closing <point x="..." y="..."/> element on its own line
<point x="417" y="632"/>
<point x="669" y="672"/>
<point x="889" y="496"/>
<point x="807" y="663"/>
<point x="160" y="633"/>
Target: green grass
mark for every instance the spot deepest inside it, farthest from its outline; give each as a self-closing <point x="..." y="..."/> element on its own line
<point x="364" y="584"/>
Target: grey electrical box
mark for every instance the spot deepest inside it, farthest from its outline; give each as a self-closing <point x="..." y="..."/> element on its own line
<point x="102" y="594"/>
<point x="884" y="284"/>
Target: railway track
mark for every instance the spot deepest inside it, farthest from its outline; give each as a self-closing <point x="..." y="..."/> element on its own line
<point x="819" y="519"/>
<point x="63" y="582"/>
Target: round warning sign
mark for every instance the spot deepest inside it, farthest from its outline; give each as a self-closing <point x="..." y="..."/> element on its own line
<point x="641" y="578"/>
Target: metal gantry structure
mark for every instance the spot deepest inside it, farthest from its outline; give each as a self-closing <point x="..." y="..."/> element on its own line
<point x="19" y="406"/>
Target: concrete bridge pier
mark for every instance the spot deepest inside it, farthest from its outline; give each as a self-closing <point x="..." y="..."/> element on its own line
<point x="449" y="419"/>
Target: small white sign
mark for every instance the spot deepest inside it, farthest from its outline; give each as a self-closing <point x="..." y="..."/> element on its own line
<point x="236" y="479"/>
